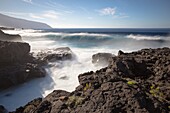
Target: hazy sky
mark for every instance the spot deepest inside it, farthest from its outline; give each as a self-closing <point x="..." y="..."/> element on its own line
<point x="92" y="13"/>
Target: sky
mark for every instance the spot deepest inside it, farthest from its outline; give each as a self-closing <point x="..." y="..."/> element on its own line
<point x="91" y="13"/>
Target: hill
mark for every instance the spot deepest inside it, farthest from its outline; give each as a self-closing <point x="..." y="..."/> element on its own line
<point x="7" y="21"/>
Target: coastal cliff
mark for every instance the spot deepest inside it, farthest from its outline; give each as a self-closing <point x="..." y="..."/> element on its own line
<point x="7" y="21"/>
<point x="136" y="82"/>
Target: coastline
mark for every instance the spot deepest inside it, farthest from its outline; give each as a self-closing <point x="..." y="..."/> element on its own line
<point x="134" y="72"/>
<point x="133" y="82"/>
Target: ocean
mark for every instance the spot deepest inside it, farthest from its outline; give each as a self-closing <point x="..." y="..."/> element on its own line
<point x="84" y="43"/>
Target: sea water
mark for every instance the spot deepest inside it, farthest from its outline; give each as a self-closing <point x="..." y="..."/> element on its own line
<point x="84" y="43"/>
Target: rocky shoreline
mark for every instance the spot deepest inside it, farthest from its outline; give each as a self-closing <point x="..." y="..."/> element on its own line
<point x="136" y="82"/>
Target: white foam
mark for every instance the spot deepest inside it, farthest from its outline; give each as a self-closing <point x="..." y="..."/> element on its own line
<point x="40" y="33"/>
<point x="143" y="37"/>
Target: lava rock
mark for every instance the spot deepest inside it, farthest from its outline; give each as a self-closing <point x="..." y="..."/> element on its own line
<point x="58" y="54"/>
<point x="132" y="82"/>
<point x="101" y="58"/>
<point x="17" y="65"/>
<point x="13" y="51"/>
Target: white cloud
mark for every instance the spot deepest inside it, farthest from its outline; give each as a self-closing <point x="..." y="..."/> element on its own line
<point x="35" y="16"/>
<point x="108" y="11"/>
<point x="28" y="1"/>
<point x="51" y="14"/>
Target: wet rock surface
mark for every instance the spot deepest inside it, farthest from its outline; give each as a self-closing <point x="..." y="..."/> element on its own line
<point x="137" y="82"/>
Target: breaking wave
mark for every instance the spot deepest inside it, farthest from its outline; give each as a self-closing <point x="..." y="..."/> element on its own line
<point x="144" y="37"/>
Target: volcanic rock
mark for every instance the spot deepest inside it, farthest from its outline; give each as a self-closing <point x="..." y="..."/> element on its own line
<point x="17" y="65"/>
<point x="13" y="51"/>
<point x="58" y="54"/>
<point x="136" y="82"/>
<point x="101" y="58"/>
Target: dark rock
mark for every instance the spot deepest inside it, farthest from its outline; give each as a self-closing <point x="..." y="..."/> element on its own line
<point x="132" y="83"/>
<point x="16" y="74"/>
<point x="58" y="54"/>
<point x="8" y="37"/>
<point x="16" y="64"/>
<point x="101" y="58"/>
<point x="120" y="53"/>
<point x="13" y="52"/>
<point x="130" y="67"/>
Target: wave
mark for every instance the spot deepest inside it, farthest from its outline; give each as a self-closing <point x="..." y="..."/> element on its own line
<point x="38" y="33"/>
<point x="145" y="37"/>
<point x="22" y="31"/>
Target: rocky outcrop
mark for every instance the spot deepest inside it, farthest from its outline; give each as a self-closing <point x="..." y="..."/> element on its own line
<point x="136" y="82"/>
<point x="13" y="52"/>
<point x="17" y="65"/>
<point x="9" y="37"/>
<point x="101" y="58"/>
<point x="58" y="54"/>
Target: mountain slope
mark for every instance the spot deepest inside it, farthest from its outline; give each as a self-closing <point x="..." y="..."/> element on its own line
<point x="7" y="21"/>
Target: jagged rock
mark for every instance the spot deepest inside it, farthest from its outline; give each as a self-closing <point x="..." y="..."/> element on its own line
<point x="136" y="82"/>
<point x="45" y="106"/>
<point x="9" y="37"/>
<point x="63" y="53"/>
<point x="131" y="67"/>
<point x="16" y="64"/>
<point x="101" y="58"/>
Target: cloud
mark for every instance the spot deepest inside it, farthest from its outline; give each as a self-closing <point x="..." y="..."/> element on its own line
<point x="35" y="16"/>
<point x="51" y="14"/>
<point x="28" y="1"/>
<point x="108" y="11"/>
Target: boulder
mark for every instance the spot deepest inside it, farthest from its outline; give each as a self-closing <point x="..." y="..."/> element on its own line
<point x="13" y="51"/>
<point x="58" y="54"/>
<point x="101" y="58"/>
<point x="16" y="64"/>
<point x="9" y="37"/>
